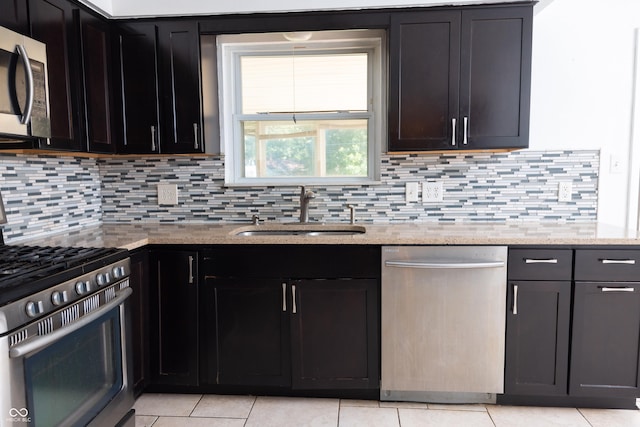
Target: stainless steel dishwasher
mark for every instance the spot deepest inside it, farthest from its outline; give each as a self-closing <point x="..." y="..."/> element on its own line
<point x="443" y="323"/>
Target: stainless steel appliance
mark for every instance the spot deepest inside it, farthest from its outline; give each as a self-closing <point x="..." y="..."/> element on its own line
<point x="24" y="88"/>
<point x="65" y="353"/>
<point x="443" y="323"/>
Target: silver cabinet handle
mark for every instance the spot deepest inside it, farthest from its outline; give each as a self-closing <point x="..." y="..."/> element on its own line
<point x="540" y="261"/>
<point x="294" y="310"/>
<point x="284" y="297"/>
<point x="453" y="131"/>
<point x="618" y="261"/>
<point x="195" y="136"/>
<point x="515" y="299"/>
<point x="22" y="52"/>
<point x="609" y="289"/>
<point x="465" y="130"/>
<point x="445" y="265"/>
<point x="190" y="269"/>
<point x="153" y="138"/>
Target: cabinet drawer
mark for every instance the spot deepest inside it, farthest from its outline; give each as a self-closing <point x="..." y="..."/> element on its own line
<point x="540" y="264"/>
<point x="608" y="265"/>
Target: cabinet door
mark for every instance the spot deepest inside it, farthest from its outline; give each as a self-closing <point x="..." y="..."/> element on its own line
<point x="495" y="77"/>
<point x="423" y="80"/>
<point x="96" y="62"/>
<point x="174" y="317"/>
<point x="537" y="346"/>
<point x="14" y="16"/>
<point x="179" y="59"/>
<point x="139" y="281"/>
<point x="605" y="346"/>
<point x="52" y="22"/>
<point x="334" y="334"/>
<point x="139" y="94"/>
<point x="251" y="332"/>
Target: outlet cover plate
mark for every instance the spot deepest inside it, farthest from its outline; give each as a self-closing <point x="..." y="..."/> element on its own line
<point x="167" y="194"/>
<point x="432" y="192"/>
<point x="564" y="191"/>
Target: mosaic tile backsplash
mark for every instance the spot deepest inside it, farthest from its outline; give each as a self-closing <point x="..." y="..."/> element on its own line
<point x="46" y="194"/>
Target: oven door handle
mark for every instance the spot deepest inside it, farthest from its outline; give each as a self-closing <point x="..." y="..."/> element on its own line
<point x="22" y="349"/>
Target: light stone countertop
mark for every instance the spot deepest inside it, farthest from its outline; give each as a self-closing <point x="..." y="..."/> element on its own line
<point x="132" y="236"/>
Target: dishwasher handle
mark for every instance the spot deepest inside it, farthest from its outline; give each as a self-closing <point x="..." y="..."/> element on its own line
<point x="445" y="264"/>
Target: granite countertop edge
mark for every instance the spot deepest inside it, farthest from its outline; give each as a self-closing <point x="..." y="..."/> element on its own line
<point x="133" y="236"/>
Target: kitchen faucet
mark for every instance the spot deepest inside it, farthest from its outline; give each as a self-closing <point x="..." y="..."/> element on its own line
<point x="305" y="196"/>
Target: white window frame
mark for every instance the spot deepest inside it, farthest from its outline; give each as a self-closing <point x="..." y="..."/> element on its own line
<point x="231" y="47"/>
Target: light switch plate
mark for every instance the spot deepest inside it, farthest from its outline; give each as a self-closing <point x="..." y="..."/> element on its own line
<point x="411" y="191"/>
<point x="167" y="194"/>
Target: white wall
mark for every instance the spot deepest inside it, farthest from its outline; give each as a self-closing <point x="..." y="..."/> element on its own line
<point x="582" y="91"/>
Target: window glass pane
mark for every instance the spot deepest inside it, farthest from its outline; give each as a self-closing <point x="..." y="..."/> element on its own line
<point x="329" y="148"/>
<point x="304" y="83"/>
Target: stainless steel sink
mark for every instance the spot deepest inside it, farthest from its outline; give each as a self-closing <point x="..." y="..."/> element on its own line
<point x="299" y="230"/>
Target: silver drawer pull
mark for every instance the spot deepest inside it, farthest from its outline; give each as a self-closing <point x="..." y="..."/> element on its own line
<point x="453" y="132"/>
<point x="540" y="261"/>
<point x="618" y="261"/>
<point x="284" y="297"/>
<point x="608" y="289"/>
<point x="515" y="299"/>
<point x="293" y="292"/>
<point x="190" y="269"/>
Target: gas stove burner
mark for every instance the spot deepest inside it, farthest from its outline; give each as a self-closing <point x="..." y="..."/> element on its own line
<point x="28" y="269"/>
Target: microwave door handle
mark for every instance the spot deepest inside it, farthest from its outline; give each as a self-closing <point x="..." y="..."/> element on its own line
<point x="22" y="52"/>
<point x="21" y="349"/>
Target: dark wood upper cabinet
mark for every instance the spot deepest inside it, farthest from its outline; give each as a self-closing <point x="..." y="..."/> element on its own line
<point x="137" y="106"/>
<point x="15" y="16"/>
<point x="460" y="79"/>
<point x="52" y="22"/>
<point x="179" y="70"/>
<point x="97" y="74"/>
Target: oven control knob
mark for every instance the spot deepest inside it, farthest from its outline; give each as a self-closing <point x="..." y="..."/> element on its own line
<point x="103" y="279"/>
<point x="119" y="272"/>
<point x="34" y="308"/>
<point x="59" y="298"/>
<point x="82" y="287"/>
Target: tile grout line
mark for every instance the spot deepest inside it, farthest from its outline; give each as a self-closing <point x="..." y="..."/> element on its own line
<point x="246" y="420"/>
<point x="584" y="416"/>
<point x="196" y="405"/>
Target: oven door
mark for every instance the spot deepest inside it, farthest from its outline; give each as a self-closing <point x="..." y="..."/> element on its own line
<point x="77" y="375"/>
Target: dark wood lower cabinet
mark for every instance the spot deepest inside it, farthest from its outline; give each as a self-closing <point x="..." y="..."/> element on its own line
<point x="537" y="345"/>
<point x="605" y="350"/>
<point x="291" y="334"/>
<point x="173" y="317"/>
<point x="139" y="282"/>
<point x="251" y="336"/>
<point x="334" y="334"/>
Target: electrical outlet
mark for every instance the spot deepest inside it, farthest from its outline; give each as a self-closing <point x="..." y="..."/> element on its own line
<point x="564" y="191"/>
<point x="432" y="191"/>
<point x="411" y="191"/>
<point x="167" y="194"/>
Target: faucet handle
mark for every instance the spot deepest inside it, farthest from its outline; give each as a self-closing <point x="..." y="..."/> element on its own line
<point x="352" y="210"/>
<point x="255" y="220"/>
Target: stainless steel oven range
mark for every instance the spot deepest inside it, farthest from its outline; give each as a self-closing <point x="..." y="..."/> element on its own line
<point x="65" y="353"/>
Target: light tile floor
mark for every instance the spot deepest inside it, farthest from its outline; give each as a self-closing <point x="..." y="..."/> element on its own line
<point x="196" y="410"/>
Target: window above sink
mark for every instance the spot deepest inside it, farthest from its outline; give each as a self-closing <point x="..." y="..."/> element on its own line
<point x="303" y="108"/>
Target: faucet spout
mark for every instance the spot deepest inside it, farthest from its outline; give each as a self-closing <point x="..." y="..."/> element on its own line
<point x="305" y="197"/>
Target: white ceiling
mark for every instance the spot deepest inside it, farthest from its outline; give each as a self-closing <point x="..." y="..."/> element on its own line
<point x="152" y="8"/>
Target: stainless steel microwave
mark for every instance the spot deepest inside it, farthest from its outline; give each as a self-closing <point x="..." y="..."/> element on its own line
<point x="24" y="88"/>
